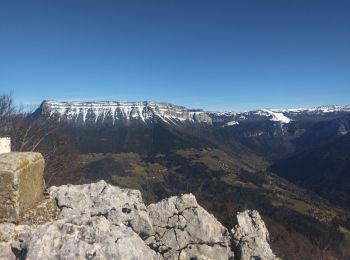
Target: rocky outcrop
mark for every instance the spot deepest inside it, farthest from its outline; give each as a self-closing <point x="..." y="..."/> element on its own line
<point x="250" y="237"/>
<point x="101" y="221"/>
<point x="184" y="230"/>
<point x="80" y="238"/>
<point x="102" y="199"/>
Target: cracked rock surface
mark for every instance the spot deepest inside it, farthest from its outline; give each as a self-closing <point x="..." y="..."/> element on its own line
<point x="250" y="237"/>
<point x="102" y="199"/>
<point x="101" y="221"/>
<point x="184" y="230"/>
<point x="77" y="238"/>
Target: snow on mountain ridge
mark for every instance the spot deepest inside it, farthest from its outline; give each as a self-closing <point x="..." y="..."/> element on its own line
<point x="279" y="115"/>
<point x="319" y="109"/>
<point x="115" y="110"/>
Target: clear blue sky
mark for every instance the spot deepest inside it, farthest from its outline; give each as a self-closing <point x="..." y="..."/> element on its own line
<point x="217" y="55"/>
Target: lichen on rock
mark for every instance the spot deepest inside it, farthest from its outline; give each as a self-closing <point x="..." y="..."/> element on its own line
<point x="21" y="184"/>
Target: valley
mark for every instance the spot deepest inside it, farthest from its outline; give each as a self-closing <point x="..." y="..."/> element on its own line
<point x="165" y="150"/>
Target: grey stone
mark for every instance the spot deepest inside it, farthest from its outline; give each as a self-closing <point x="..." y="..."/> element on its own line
<point x="250" y="237"/>
<point x="9" y="235"/>
<point x="102" y="199"/>
<point x="185" y="230"/>
<point x="94" y="238"/>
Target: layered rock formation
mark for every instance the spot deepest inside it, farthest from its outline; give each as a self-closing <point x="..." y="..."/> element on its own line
<point x="101" y="221"/>
<point x="115" y="112"/>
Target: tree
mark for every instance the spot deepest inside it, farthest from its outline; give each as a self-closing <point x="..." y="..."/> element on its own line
<point x="7" y="110"/>
<point x="36" y="134"/>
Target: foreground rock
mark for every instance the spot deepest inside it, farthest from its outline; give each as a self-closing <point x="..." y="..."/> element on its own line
<point x="250" y="237"/>
<point x="102" y="199"/>
<point x="184" y="230"/>
<point x="101" y="221"/>
<point x="81" y="238"/>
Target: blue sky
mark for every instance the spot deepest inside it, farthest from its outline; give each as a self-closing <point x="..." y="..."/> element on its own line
<point x="216" y="55"/>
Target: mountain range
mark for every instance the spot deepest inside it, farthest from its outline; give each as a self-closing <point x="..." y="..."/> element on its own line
<point x="112" y="112"/>
<point x="290" y="164"/>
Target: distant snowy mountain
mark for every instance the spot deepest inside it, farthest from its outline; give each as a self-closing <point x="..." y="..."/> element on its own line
<point x="282" y="116"/>
<point x="319" y="109"/>
<point x="114" y="112"/>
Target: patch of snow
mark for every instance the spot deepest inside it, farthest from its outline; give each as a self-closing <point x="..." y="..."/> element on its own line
<point x="277" y="117"/>
<point x="226" y="113"/>
<point x="230" y="123"/>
